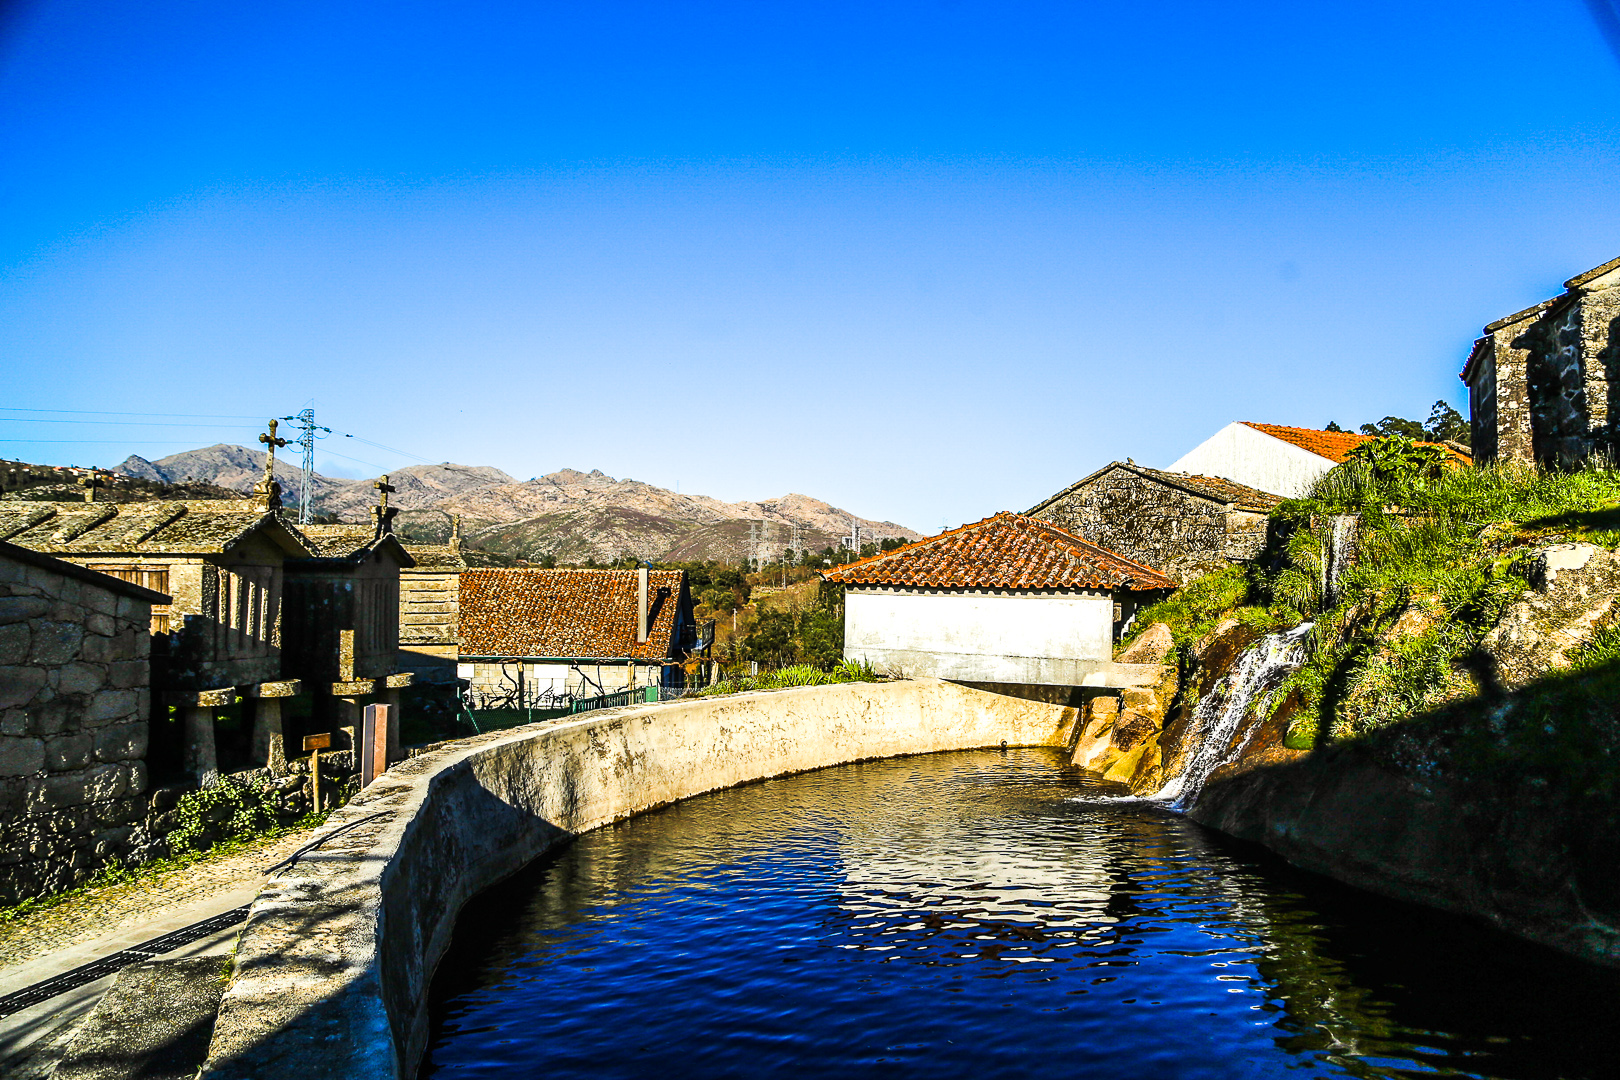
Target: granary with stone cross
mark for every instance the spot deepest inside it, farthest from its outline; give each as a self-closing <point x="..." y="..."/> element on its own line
<point x="218" y="643"/>
<point x="1179" y="523"/>
<point x="1540" y="381"/>
<point x="341" y="627"/>
<point x="1007" y="600"/>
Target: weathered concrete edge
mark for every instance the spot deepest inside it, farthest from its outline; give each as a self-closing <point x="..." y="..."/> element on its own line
<point x="334" y="962"/>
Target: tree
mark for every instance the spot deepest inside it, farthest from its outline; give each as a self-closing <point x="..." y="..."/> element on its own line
<point x="1331" y="426"/>
<point x="1447" y="425"/>
<point x="1395" y="426"/>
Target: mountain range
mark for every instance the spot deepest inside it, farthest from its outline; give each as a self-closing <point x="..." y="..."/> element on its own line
<point x="568" y="515"/>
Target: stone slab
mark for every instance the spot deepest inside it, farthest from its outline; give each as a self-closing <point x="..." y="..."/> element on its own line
<point x="153" y="1024"/>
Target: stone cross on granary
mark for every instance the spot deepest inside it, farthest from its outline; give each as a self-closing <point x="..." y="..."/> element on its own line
<point x="268" y="489"/>
<point x="455" y="532"/>
<point x="381" y="512"/>
<point x="90" y="483"/>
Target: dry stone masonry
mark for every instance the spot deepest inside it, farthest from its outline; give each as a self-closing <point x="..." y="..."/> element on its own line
<point x="74" y="699"/>
<point x="1539" y="380"/>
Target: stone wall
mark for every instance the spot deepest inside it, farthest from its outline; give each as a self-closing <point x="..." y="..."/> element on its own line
<point x="74" y="702"/>
<point x="1177" y="533"/>
<point x="333" y="966"/>
<point x="1539" y="385"/>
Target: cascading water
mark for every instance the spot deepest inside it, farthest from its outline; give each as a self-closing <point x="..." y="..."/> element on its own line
<point x="1219" y="715"/>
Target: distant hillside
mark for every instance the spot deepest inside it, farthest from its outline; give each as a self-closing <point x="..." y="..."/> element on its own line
<point x="570" y="515"/>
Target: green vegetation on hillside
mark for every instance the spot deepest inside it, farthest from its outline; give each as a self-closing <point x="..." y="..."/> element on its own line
<point x="1394" y="656"/>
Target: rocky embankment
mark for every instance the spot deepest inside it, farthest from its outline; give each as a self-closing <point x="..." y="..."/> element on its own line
<point x="1464" y="811"/>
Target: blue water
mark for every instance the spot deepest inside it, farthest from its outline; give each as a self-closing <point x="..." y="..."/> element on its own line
<point x="983" y="914"/>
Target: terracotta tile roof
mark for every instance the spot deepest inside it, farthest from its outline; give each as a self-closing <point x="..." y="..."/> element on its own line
<point x="165" y="527"/>
<point x="1214" y="488"/>
<point x="1336" y="445"/>
<point x="585" y="614"/>
<point x="1007" y="551"/>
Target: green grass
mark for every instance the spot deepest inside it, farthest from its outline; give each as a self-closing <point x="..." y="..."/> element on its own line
<point x="1394" y="645"/>
<point x="118" y="874"/>
<point x="1193" y="611"/>
<point x="796" y="675"/>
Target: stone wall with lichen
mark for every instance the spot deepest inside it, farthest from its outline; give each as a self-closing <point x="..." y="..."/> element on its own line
<point x="1173" y="531"/>
<point x="74" y="702"/>
<point x="1539" y="390"/>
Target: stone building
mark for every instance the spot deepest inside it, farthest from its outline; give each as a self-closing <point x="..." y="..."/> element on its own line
<point x="341" y="623"/>
<point x="1008" y="600"/>
<point x="222" y="563"/>
<point x="536" y="637"/>
<point x="1181" y="524"/>
<point x="74" y="707"/>
<point x="1539" y="380"/>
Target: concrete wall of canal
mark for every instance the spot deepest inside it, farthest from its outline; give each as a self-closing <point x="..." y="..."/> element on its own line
<point x="333" y="965"/>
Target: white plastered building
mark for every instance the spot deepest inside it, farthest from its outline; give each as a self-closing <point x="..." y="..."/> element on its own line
<point x="1009" y="599"/>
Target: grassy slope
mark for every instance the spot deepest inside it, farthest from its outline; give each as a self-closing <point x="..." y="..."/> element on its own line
<point x="1392" y="656"/>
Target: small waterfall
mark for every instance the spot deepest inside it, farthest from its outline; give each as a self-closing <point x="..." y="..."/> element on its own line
<point x="1340" y="552"/>
<point x="1219" y="715"/>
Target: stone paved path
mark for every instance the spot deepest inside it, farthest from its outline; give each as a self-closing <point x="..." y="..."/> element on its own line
<point x="116" y="907"/>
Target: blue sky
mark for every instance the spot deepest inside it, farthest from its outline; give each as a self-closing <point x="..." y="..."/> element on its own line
<point x="926" y="261"/>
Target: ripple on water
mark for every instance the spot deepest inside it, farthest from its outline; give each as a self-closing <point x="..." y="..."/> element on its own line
<point x="979" y="914"/>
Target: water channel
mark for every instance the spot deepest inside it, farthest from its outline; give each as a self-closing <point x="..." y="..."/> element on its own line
<point x="981" y="914"/>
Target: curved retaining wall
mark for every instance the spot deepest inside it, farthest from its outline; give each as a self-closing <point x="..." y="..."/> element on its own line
<point x="333" y="964"/>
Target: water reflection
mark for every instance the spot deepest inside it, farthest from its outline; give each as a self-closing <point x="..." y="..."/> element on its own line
<point x="966" y="915"/>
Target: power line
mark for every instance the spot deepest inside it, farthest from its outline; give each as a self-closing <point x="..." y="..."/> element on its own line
<point x="113" y="423"/>
<point x="109" y="412"/>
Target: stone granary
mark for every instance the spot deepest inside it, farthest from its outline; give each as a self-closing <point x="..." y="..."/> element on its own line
<point x="74" y="708"/>
<point x="534" y="638"/>
<point x="1183" y="525"/>
<point x="1009" y="600"/>
<point x="222" y="563"/>
<point x="1284" y="461"/>
<point x="1539" y="381"/>
<point x="342" y="622"/>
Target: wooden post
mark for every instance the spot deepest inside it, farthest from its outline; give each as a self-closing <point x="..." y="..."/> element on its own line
<point x="315" y="744"/>
<point x="374" y="743"/>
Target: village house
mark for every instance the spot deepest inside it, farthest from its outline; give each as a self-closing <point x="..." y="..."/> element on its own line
<point x="1182" y="524"/>
<point x="1010" y="599"/>
<point x="1539" y="381"/>
<point x="74" y="730"/>
<point x="1280" y="460"/>
<point x="539" y="638"/>
<point x="341" y="622"/>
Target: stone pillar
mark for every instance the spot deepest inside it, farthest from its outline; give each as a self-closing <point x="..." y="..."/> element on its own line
<point x="202" y="761"/>
<point x="349" y="725"/>
<point x="269" y="745"/>
<point x="391" y="696"/>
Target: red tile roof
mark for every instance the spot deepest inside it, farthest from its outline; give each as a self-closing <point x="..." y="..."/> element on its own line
<point x="1335" y="445"/>
<point x="583" y="614"/>
<point x="1007" y="551"/>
